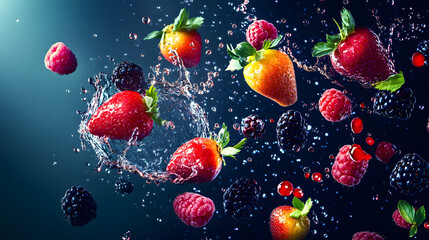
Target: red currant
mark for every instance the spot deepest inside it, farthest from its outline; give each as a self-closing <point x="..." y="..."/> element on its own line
<point x="426" y="225"/>
<point x="370" y="141"/>
<point x="358" y="154"/>
<point x="285" y="188"/>
<point x="418" y="59"/>
<point x="307" y="175"/>
<point x="317" y="177"/>
<point x="357" y="125"/>
<point x="297" y="192"/>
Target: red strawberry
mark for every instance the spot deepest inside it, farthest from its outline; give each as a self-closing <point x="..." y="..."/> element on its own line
<point x="356" y="53"/>
<point x="181" y="39"/>
<point x="200" y="159"/>
<point x="125" y="115"/>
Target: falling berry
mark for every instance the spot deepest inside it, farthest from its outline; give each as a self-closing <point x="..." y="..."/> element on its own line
<point x="418" y="59"/>
<point x="307" y="175"/>
<point x="357" y="125"/>
<point x="358" y="154"/>
<point x="297" y="192"/>
<point x="317" y="177"/>
<point x="362" y="105"/>
<point x="426" y="225"/>
<point x="271" y="120"/>
<point x="370" y="141"/>
<point x="285" y="188"/>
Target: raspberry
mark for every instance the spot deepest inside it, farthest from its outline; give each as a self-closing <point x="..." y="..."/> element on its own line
<point x="60" y="59"/>
<point x="410" y="175"/>
<point x="241" y="198"/>
<point x="347" y="171"/>
<point x="400" y="221"/>
<point x="128" y="76"/>
<point x="78" y="206"/>
<point x="334" y="105"/>
<point x="291" y="131"/>
<point x="252" y="126"/>
<point x="259" y="31"/>
<point x="395" y="105"/>
<point x="385" y="151"/>
<point x="367" y="236"/>
<point x="123" y="186"/>
<point x="193" y="209"/>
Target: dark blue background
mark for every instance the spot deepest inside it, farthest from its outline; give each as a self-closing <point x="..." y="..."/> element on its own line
<point x="39" y="121"/>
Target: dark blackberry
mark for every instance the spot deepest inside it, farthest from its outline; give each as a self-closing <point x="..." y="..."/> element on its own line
<point x="78" y="206"/>
<point x="123" y="186"/>
<point x="129" y="76"/>
<point x="291" y="131"/>
<point x="252" y="126"/>
<point x="396" y="105"/>
<point x="410" y="175"/>
<point x="241" y="198"/>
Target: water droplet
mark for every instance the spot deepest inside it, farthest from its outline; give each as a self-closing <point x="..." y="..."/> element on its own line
<point x="133" y="36"/>
<point x="208" y="52"/>
<point x="145" y="20"/>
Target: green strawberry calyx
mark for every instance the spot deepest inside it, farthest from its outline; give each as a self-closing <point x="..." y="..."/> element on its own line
<point x="151" y="100"/>
<point x="181" y="23"/>
<point x="393" y="83"/>
<point x="302" y="208"/>
<point x="222" y="140"/>
<point x="332" y="41"/>
<point x="411" y="216"/>
<point x="244" y="53"/>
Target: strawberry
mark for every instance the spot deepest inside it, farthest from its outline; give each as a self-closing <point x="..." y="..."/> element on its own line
<point x="126" y="115"/>
<point x="407" y="216"/>
<point x="180" y="39"/>
<point x="200" y="159"/>
<point x="268" y="72"/>
<point x="291" y="223"/>
<point x="356" y="53"/>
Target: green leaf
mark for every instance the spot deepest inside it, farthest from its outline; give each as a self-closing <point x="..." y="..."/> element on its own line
<point x="245" y="50"/>
<point x="240" y="144"/>
<point x="181" y="20"/>
<point x="393" y="83"/>
<point x="151" y="101"/>
<point x="307" y="207"/>
<point x="335" y="39"/>
<point x="266" y="44"/>
<point x="223" y="136"/>
<point x="347" y="22"/>
<point x="297" y="203"/>
<point x="295" y="214"/>
<point x="413" y="231"/>
<point x="230" y="152"/>
<point x="153" y="35"/>
<point x="276" y="41"/>
<point x="231" y="52"/>
<point x="194" y="23"/>
<point x="322" y="49"/>
<point x="420" y="216"/>
<point x="234" y="65"/>
<point x="407" y="211"/>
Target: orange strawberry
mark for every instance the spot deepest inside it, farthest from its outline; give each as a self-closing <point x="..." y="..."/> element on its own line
<point x="180" y="39"/>
<point x="291" y="223"/>
<point x="269" y="72"/>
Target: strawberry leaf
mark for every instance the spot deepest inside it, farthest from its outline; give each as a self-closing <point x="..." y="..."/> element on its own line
<point x="297" y="203"/>
<point x="347" y="22"/>
<point x="413" y="231"/>
<point x="322" y="49"/>
<point x="154" y="35"/>
<point x="234" y="65"/>
<point x="420" y="216"/>
<point x="276" y="41"/>
<point x="181" y="20"/>
<point x="335" y="39"/>
<point x="393" y="83"/>
<point x="307" y="207"/>
<point x="194" y="23"/>
<point x="245" y="50"/>
<point x="295" y="214"/>
<point x="151" y="101"/>
<point x="223" y="136"/>
<point x="266" y="44"/>
<point x="407" y="211"/>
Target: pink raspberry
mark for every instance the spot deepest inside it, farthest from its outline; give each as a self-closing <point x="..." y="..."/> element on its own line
<point x="259" y="31"/>
<point x="400" y="221"/>
<point x="347" y="171"/>
<point x="385" y="151"/>
<point x="367" y="236"/>
<point x="60" y="59"/>
<point x="334" y="105"/>
<point x="193" y="209"/>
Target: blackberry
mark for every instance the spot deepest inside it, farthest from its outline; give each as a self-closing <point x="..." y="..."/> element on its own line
<point x="396" y="105"/>
<point x="129" y="76"/>
<point x="252" y="126"/>
<point x="78" y="206"/>
<point x="291" y="131"/>
<point x="410" y="175"/>
<point x="241" y="198"/>
<point x="123" y="186"/>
